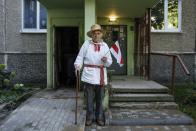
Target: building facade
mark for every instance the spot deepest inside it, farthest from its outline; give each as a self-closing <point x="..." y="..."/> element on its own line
<point x="20" y="51"/>
<point x="182" y="41"/>
<point x="40" y="55"/>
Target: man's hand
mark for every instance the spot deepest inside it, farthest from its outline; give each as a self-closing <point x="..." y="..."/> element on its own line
<point x="104" y="59"/>
<point x="77" y="68"/>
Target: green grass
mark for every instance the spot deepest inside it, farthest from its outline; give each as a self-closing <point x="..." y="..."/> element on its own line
<point x="185" y="96"/>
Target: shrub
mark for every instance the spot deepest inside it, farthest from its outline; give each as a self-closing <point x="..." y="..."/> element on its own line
<point x="6" y="77"/>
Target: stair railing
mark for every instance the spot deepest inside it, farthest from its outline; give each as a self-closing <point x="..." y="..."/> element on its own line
<point x="174" y="57"/>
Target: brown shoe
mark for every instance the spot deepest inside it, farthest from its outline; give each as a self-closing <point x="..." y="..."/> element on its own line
<point x="100" y="122"/>
<point x="88" y="122"/>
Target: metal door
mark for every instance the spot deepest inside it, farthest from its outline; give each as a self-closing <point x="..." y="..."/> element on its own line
<point x="117" y="33"/>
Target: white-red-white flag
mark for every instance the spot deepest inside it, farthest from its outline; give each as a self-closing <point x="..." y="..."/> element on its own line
<point x="115" y="50"/>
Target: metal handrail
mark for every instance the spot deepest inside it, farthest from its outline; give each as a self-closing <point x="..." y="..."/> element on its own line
<point x="174" y="57"/>
<point x="183" y="65"/>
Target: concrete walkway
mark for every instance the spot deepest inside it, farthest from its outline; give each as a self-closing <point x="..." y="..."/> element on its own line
<point x="49" y="110"/>
<point x="54" y="110"/>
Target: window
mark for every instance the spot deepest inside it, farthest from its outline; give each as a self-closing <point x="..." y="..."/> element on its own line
<point x="166" y="16"/>
<point x="33" y="16"/>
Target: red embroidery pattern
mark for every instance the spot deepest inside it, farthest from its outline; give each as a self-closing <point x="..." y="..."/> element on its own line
<point x="97" y="47"/>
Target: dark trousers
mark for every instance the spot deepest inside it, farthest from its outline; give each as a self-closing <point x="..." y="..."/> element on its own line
<point x="94" y="92"/>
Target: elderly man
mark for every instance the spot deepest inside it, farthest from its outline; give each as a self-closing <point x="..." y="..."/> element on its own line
<point x="94" y="56"/>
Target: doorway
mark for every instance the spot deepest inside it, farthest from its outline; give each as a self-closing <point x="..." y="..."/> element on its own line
<point x="117" y="33"/>
<point x="66" y="48"/>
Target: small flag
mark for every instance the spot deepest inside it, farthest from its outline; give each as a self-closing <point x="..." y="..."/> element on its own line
<point x="115" y="50"/>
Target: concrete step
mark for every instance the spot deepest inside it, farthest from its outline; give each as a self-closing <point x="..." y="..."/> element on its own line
<point x="136" y="85"/>
<point x="148" y="117"/>
<point x="143" y="105"/>
<point x="141" y="98"/>
<point x="140" y="90"/>
<point x="142" y="128"/>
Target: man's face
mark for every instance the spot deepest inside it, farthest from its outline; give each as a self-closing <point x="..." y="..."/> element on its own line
<point x="97" y="36"/>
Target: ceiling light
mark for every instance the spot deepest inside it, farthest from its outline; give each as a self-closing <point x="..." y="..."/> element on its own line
<point x="112" y="18"/>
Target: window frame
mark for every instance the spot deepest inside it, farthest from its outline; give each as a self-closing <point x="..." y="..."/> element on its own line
<point x="166" y="30"/>
<point x="32" y="30"/>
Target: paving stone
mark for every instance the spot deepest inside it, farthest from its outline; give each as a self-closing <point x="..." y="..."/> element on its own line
<point x="46" y="111"/>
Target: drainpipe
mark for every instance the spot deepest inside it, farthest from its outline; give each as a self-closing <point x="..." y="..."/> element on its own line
<point x="149" y="42"/>
<point x="194" y="75"/>
<point x="4" y="33"/>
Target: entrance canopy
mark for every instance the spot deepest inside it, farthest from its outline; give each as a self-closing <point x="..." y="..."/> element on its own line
<point x="106" y="8"/>
<point x="83" y="14"/>
<point x="123" y="8"/>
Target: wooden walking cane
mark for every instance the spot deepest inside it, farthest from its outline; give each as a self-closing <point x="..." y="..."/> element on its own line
<point x="77" y="89"/>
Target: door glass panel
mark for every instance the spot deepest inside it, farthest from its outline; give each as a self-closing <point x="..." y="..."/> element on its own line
<point x="117" y="33"/>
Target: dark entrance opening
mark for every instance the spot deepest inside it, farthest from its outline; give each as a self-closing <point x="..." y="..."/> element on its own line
<point x="66" y="49"/>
